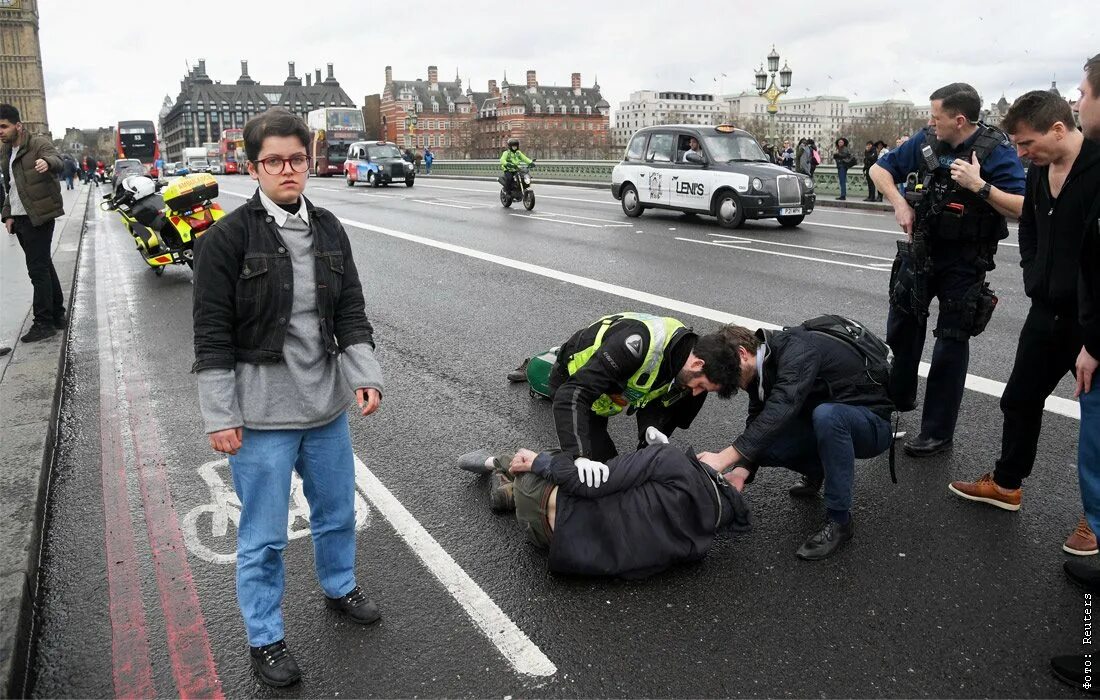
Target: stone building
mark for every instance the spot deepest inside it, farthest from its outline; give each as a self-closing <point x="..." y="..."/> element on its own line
<point x="21" y="81"/>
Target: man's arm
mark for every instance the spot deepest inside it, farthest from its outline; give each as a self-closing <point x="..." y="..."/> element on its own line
<point x="504" y="160"/>
<point x="1029" y="242"/>
<point x="48" y="153"/>
<point x="214" y="306"/>
<point x="969" y="175"/>
<point x="624" y="471"/>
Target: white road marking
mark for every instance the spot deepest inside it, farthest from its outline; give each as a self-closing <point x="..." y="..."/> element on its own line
<point x="847" y="211"/>
<point x="739" y="239"/>
<point x="583" y="218"/>
<point x="532" y="217"/>
<point x="509" y="639"/>
<point x="989" y="387"/>
<point x="879" y="230"/>
<point x="442" y="204"/>
<point x="723" y="244"/>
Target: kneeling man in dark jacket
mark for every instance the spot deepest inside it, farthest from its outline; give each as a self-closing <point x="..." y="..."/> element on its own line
<point x="659" y="506"/>
<point x="813" y="408"/>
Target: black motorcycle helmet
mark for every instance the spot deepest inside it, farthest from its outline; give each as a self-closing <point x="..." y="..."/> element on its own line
<point x="513" y="144"/>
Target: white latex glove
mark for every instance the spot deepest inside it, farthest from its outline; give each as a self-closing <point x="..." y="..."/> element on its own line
<point x="655" y="437"/>
<point x="591" y="473"/>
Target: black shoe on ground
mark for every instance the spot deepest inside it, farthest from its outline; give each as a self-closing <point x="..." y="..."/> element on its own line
<point x="868" y="199"/>
<point x="4" y="350"/>
<point x="806" y="487"/>
<point x="825" y="541"/>
<point x="1084" y="575"/>
<point x="475" y="461"/>
<point x="841" y="199"/>
<point x="501" y="498"/>
<point x="38" y="332"/>
<point x="274" y="664"/>
<point x="519" y="374"/>
<point x="1071" y="670"/>
<point x="924" y="446"/>
<point x="357" y="606"/>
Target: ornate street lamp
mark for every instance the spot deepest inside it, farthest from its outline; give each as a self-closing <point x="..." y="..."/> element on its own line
<point x="766" y="88"/>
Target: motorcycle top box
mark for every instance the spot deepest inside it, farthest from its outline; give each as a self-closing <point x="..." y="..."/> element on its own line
<point x="190" y="191"/>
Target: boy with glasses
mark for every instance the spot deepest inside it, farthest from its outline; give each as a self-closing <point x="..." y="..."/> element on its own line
<point x="281" y="343"/>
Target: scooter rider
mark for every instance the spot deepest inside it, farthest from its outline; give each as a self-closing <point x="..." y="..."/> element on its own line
<point x="649" y="365"/>
<point x="511" y="159"/>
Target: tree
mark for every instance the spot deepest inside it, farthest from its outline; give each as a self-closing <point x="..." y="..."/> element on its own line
<point x="884" y="123"/>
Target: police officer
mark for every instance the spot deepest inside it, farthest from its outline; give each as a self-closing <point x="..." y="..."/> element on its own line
<point x="649" y="365"/>
<point x="971" y="180"/>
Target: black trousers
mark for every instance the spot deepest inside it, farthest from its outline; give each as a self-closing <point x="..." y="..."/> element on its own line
<point x="1048" y="348"/>
<point x="37" y="242"/>
<point x="905" y="334"/>
<point x="871" y="192"/>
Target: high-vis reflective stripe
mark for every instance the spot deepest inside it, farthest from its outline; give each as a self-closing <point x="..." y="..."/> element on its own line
<point x="639" y="388"/>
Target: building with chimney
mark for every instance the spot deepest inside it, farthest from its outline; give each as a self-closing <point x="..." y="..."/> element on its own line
<point x="21" y="82"/>
<point x="205" y="107"/>
<point x="424" y="113"/>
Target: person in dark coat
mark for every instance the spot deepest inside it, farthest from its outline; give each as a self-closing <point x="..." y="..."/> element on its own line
<point x="69" y="169"/>
<point x="660" y="506"/>
<point x="844" y="159"/>
<point x="870" y="157"/>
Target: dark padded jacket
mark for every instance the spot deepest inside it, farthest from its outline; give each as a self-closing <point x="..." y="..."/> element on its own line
<point x="40" y="193"/>
<point x="660" y="506"/>
<point x="801" y="371"/>
<point x="244" y="288"/>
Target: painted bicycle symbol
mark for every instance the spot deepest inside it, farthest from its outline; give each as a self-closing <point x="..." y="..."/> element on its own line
<point x="224" y="510"/>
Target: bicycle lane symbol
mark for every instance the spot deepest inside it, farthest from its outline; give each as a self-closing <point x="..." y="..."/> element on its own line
<point x="206" y="528"/>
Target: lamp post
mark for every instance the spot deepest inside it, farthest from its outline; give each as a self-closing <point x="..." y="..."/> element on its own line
<point x="771" y="91"/>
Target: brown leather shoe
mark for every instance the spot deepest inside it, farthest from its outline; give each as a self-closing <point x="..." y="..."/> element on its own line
<point x="1081" y="541"/>
<point x="984" y="490"/>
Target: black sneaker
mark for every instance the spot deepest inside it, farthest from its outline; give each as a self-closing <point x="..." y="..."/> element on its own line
<point x="825" y="541"/>
<point x="357" y="606"/>
<point x="274" y="664"/>
<point x="806" y="487"/>
<point x="38" y="332"/>
<point x="4" y="350"/>
<point x="519" y="374"/>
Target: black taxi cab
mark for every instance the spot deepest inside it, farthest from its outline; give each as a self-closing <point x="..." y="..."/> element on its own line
<point x="719" y="170"/>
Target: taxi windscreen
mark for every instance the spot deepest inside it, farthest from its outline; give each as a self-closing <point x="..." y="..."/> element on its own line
<point x="733" y="148"/>
<point x="383" y="152"/>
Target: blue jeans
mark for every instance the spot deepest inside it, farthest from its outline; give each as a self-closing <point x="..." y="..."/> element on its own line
<point x="830" y="442"/>
<point x="842" y="176"/>
<point x="1088" y="455"/>
<point x="261" y="476"/>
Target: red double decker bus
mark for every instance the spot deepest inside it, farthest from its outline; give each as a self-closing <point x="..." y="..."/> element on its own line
<point x="332" y="130"/>
<point x="231" y="151"/>
<point x="138" y="139"/>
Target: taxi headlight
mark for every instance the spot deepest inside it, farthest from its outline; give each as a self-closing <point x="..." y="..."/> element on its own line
<point x="809" y="183"/>
<point x="408" y="166"/>
<point x="757" y="184"/>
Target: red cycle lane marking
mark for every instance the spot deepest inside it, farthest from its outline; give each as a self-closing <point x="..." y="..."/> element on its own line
<point x="132" y="671"/>
<point x="188" y="642"/>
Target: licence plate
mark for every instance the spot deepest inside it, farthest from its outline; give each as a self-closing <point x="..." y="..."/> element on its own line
<point x="790" y="211"/>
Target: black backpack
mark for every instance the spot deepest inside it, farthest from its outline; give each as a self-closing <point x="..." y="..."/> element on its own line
<point x="877" y="356"/>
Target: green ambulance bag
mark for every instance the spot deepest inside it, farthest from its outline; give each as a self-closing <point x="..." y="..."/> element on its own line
<point x="538" y="372"/>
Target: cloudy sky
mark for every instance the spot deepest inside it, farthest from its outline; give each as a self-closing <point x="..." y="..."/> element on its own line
<point x="116" y="59"/>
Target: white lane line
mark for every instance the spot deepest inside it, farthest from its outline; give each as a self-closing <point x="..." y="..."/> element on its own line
<point x="879" y="230"/>
<point x="532" y="217"/>
<point x="442" y="204"/>
<point x="584" y="218"/>
<point x="846" y="211"/>
<point x="723" y="244"/>
<point x="740" y="239"/>
<point x="989" y="387"/>
<point x="509" y="639"/>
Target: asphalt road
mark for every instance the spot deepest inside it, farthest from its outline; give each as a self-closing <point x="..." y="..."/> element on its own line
<point x="935" y="597"/>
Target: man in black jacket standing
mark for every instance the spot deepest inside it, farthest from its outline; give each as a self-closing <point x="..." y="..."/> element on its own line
<point x="660" y="506"/>
<point x="1062" y="185"/>
<point x="814" y="407"/>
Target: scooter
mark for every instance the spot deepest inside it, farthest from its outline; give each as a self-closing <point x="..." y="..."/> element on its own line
<point x="521" y="187"/>
<point x="164" y="227"/>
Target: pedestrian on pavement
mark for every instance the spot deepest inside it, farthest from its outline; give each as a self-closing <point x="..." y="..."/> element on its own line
<point x="659" y="506"/>
<point x="408" y="155"/>
<point x="89" y="168"/>
<point x="30" y="164"/>
<point x="972" y="181"/>
<point x="815" y="156"/>
<point x="769" y="151"/>
<point x="1065" y="170"/>
<point x="802" y="157"/>
<point x="282" y="343"/>
<point x="69" y="170"/>
<point x="418" y="158"/>
<point x="652" y="365"/>
<point x="786" y="156"/>
<point x="844" y="159"/>
<point x="428" y="158"/>
<point x="1072" y="669"/>
<point x="817" y="402"/>
<point x="870" y="157"/>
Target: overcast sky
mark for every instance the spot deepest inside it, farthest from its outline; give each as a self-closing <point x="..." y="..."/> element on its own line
<point x="117" y="59"/>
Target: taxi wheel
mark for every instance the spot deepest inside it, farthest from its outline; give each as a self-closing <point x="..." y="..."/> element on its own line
<point x="409" y="182"/>
<point x="372" y="180"/>
<point x="789" y="221"/>
<point x="351" y="183"/>
<point x="728" y="210"/>
<point x="632" y="206"/>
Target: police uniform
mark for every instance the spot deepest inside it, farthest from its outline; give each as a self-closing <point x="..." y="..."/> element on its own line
<point x="960" y="233"/>
<point x="624" y="362"/>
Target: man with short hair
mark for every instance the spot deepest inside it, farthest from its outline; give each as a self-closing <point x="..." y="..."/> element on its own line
<point x="30" y="164"/>
<point x="1062" y="186"/>
<point x="971" y="180"/>
<point x="693" y="147"/>
<point x="650" y="365"/>
<point x="816" y="404"/>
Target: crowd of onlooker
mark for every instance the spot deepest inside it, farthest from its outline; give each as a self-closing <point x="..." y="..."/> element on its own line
<point x="805" y="156"/>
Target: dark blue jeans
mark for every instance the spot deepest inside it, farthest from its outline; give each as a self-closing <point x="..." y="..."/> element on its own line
<point x="1088" y="455"/>
<point x="828" y="445"/>
<point x="842" y="176"/>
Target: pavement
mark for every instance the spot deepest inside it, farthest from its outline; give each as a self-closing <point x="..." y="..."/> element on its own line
<point x="30" y="389"/>
<point x="935" y="597"/>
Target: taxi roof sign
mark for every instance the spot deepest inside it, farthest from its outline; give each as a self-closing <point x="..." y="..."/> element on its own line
<point x="725" y="128"/>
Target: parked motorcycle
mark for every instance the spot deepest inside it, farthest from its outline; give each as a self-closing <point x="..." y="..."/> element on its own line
<point x="165" y="226"/>
<point x="521" y="187"/>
